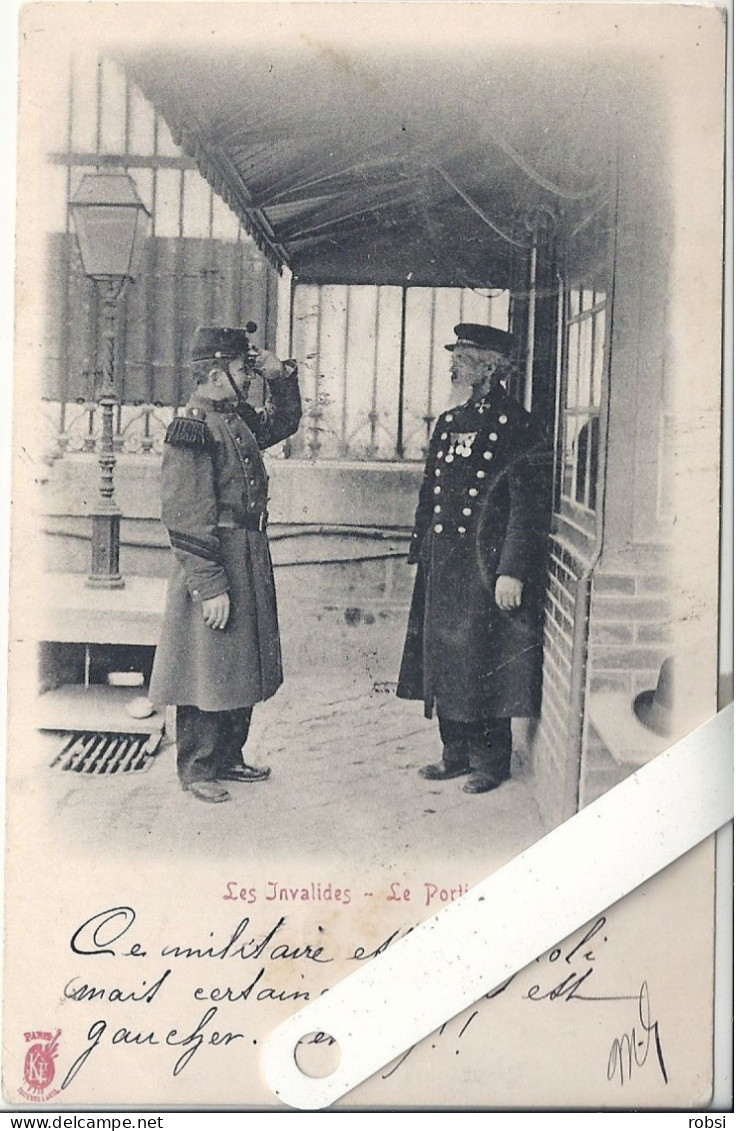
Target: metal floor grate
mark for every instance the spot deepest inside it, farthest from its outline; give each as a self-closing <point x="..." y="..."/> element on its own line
<point x="97" y="752"/>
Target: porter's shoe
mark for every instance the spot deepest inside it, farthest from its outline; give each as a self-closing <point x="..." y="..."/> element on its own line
<point x="441" y="771"/>
<point x="211" y="791"/>
<point x="245" y="773"/>
<point x="480" y="783"/>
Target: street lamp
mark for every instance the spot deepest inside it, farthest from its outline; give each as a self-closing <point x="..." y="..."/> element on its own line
<point x="110" y="221"/>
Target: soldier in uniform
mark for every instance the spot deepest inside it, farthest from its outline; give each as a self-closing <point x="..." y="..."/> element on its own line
<point x="473" y="644"/>
<point x="219" y="650"/>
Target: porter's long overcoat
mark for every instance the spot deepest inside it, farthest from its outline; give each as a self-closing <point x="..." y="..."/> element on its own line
<point x="483" y="512"/>
<point x="214" y="498"/>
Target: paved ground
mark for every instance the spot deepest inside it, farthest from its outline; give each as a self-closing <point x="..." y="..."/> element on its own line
<point x="344" y="755"/>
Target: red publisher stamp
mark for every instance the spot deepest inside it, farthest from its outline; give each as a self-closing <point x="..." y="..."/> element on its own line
<point x="39" y="1068"/>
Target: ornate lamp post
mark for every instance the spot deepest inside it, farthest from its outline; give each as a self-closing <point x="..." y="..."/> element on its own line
<point x="110" y="221"/>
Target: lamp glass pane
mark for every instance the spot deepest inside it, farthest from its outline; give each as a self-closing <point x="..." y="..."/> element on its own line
<point x="139" y="242"/>
<point x="106" y="236"/>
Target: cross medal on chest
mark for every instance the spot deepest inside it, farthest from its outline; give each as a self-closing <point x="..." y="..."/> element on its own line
<point x="461" y="443"/>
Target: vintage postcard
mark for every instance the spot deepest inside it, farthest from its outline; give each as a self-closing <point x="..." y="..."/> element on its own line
<point x="365" y="528"/>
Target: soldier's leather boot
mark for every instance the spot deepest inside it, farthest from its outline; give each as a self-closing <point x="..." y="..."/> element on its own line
<point x="211" y="791"/>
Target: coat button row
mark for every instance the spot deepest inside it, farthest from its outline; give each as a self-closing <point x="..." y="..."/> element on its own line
<point x="478" y="474"/>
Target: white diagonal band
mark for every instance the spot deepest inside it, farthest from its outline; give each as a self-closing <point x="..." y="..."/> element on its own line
<point x="505" y="922"/>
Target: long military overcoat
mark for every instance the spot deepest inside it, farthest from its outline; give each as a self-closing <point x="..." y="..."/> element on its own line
<point x="483" y="512"/>
<point x="214" y="499"/>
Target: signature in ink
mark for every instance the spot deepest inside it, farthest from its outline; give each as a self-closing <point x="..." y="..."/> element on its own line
<point x="631" y="1051"/>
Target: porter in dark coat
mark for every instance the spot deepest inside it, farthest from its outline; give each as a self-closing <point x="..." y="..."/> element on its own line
<point x="214" y="498"/>
<point x="473" y="644"/>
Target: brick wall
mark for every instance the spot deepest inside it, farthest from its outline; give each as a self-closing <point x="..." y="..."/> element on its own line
<point x="630" y="636"/>
<point x="630" y="629"/>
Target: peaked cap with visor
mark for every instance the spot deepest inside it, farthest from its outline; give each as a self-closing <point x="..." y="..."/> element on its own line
<point x="482" y="338"/>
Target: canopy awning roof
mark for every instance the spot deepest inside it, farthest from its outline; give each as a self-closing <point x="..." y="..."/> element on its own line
<point x="392" y="164"/>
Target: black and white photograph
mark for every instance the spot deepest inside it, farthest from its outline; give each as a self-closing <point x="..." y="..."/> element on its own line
<point x="364" y="529"/>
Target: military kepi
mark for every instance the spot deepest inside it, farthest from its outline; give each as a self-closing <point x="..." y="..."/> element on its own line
<point x="482" y="337"/>
<point x="212" y="342"/>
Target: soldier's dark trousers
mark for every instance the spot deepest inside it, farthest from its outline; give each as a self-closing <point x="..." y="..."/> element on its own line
<point x="208" y="742"/>
<point x="484" y="745"/>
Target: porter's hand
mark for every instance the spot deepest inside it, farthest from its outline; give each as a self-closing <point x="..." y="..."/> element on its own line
<point x="508" y="592"/>
<point x="216" y="610"/>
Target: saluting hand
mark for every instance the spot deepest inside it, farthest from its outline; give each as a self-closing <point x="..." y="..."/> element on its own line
<point x="267" y="365"/>
<point x="216" y="610"/>
<point x="508" y="592"/>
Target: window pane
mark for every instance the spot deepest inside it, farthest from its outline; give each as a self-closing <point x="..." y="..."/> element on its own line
<point x="164" y="141"/>
<point x="594" y="443"/>
<point x="585" y="377"/>
<point x="424" y="306"/>
<point x="500" y="309"/>
<point x="361" y="370"/>
<point x="487" y="307"/>
<point x="168" y="201"/>
<point x="196" y="210"/>
<point x="599" y="355"/>
<point x="112" y="109"/>
<point x="573" y="365"/>
<point x="140" y="124"/>
<point x="225" y="223"/>
<point x="387" y="371"/>
<point x="332" y="326"/>
<point x="569" y="455"/>
<point x="574" y="302"/>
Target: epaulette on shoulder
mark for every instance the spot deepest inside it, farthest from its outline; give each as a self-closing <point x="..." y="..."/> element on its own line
<point x="189" y="431"/>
